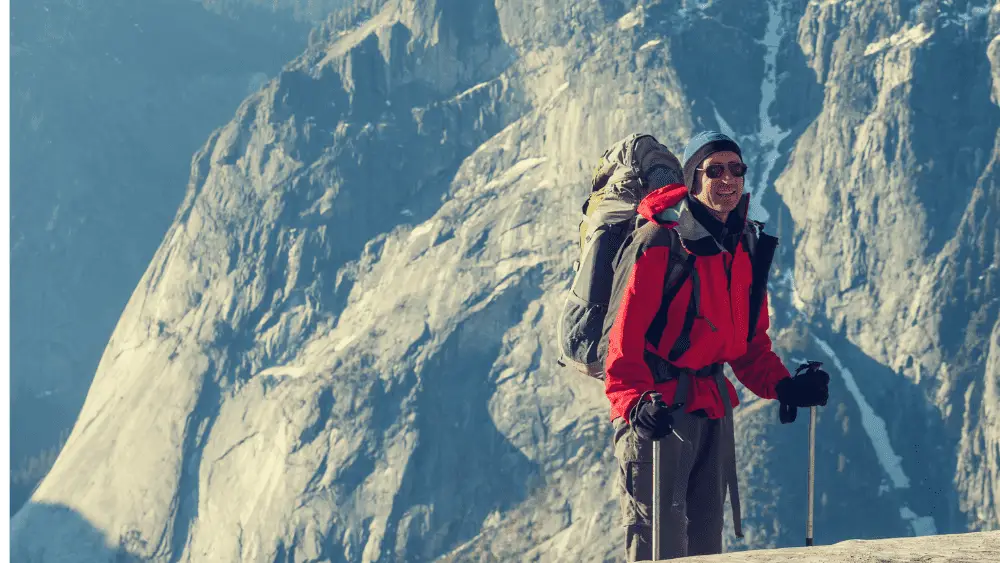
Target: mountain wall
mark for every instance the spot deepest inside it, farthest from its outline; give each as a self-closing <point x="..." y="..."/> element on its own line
<point x="895" y="193"/>
<point x="344" y="350"/>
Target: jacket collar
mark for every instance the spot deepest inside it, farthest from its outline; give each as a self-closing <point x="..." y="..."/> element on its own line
<point x="701" y="233"/>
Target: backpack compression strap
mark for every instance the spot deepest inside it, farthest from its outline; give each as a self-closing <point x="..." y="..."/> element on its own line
<point x="760" y="246"/>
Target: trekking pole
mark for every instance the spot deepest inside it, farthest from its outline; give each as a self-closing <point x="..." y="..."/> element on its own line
<point x="656" y="397"/>
<point x="812" y="475"/>
<point x="657" y="498"/>
<point x="809" y="367"/>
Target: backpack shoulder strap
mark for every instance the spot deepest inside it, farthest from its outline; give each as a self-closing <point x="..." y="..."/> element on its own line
<point x="760" y="246"/>
<point x="750" y="237"/>
<point x="679" y="268"/>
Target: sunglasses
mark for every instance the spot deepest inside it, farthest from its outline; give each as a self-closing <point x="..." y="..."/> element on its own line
<point x="713" y="171"/>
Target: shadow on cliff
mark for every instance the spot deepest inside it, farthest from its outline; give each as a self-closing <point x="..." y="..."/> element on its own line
<point x="954" y="123"/>
<point x="463" y="468"/>
<point x="725" y="83"/>
<point x="36" y="525"/>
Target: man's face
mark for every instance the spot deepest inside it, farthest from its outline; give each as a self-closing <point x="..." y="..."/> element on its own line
<point x="722" y="193"/>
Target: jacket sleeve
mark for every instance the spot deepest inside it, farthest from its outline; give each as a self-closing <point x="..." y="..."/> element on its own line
<point x="636" y="294"/>
<point x="760" y="369"/>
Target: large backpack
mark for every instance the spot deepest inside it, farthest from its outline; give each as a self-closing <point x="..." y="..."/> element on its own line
<point x="628" y="171"/>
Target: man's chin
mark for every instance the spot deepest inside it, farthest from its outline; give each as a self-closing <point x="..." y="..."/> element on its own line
<point x="726" y="206"/>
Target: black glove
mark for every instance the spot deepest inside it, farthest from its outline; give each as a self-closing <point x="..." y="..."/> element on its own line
<point x="653" y="420"/>
<point x="810" y="387"/>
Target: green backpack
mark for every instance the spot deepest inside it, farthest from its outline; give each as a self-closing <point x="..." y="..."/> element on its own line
<point x="627" y="172"/>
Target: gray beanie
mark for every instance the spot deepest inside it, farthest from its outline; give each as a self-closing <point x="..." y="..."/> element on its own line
<point x="700" y="147"/>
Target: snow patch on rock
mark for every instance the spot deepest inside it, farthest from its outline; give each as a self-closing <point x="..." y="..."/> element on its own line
<point x="877" y="433"/>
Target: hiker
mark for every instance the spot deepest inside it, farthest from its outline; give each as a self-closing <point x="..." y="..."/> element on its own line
<point x="679" y="309"/>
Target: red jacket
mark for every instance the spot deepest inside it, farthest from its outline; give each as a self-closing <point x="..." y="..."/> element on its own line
<point x="719" y="333"/>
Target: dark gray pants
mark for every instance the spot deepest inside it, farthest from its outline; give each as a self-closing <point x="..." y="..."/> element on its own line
<point x="693" y="488"/>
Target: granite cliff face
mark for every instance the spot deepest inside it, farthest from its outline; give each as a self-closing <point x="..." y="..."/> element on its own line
<point x="109" y="101"/>
<point x="343" y="348"/>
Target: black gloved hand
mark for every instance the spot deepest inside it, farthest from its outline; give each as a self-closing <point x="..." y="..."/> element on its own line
<point x="653" y="420"/>
<point x="810" y="387"/>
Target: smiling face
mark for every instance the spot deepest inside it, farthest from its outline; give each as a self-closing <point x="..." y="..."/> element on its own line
<point x="720" y="195"/>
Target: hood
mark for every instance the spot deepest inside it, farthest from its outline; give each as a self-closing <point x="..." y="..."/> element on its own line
<point x="669" y="207"/>
<point x="671" y="196"/>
